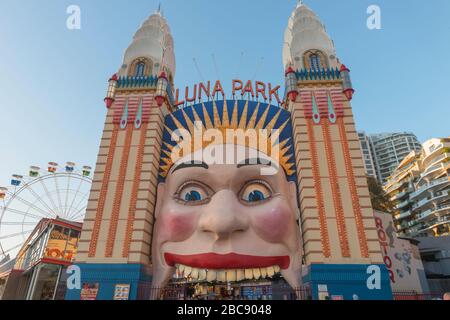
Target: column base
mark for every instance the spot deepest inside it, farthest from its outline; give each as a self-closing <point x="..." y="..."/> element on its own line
<point x="347" y="282"/>
<point x="107" y="276"/>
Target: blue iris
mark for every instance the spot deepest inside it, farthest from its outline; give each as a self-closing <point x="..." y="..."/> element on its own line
<point x="193" y="196"/>
<point x="256" y="196"/>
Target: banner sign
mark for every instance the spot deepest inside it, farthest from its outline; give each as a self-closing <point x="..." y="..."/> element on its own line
<point x="255" y="90"/>
<point x="89" y="291"/>
<point x="401" y="257"/>
<point x="122" y="292"/>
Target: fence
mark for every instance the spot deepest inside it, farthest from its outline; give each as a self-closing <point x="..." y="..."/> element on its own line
<point x="412" y="295"/>
<point x="222" y="292"/>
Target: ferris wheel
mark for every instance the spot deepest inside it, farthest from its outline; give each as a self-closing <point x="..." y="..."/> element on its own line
<point x="56" y="192"/>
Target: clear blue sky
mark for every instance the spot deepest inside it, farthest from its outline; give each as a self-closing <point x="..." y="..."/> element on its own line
<point x="53" y="80"/>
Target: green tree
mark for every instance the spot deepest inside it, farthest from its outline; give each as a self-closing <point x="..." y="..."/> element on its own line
<point x="380" y="200"/>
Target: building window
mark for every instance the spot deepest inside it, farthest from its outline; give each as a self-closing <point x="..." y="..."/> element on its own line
<point x="314" y="60"/>
<point x="140" y="69"/>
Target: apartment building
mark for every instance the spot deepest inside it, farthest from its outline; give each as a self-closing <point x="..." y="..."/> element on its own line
<point x="420" y="187"/>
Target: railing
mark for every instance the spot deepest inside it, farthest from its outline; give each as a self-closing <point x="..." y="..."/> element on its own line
<point x="428" y="186"/>
<point x="137" y="82"/>
<point x="403" y="215"/>
<point x="423" y="227"/>
<point x="323" y="74"/>
<point x="436" y="196"/>
<point x="401" y="194"/>
<point x="403" y="204"/>
<point x="412" y="295"/>
<point x="188" y="292"/>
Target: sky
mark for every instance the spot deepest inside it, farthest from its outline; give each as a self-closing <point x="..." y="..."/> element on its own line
<point x="53" y="80"/>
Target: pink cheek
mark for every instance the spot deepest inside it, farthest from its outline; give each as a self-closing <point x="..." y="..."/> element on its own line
<point x="274" y="224"/>
<point x="177" y="226"/>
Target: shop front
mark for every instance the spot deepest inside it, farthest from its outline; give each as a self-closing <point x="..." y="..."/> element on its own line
<point x="41" y="264"/>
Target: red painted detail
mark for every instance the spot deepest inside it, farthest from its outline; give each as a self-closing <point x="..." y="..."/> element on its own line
<point x="102" y="198"/>
<point x="216" y="261"/>
<point x="319" y="190"/>
<point x="289" y="70"/>
<point x="344" y="68"/>
<point x="134" y="192"/>
<point x="68" y="225"/>
<point x="293" y="96"/>
<point x="114" y="77"/>
<point x="109" y="102"/>
<point x="163" y="75"/>
<point x="322" y="102"/>
<point x="349" y="94"/>
<point x="357" y="208"/>
<point x="148" y="102"/>
<point x="118" y="195"/>
<point x="159" y="100"/>
<point x="336" y="191"/>
<point x="56" y="261"/>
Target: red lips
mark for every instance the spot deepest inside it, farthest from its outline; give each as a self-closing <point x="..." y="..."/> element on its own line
<point x="216" y="261"/>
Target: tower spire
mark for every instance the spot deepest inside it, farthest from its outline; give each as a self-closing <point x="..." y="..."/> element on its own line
<point x="158" y="11"/>
<point x="305" y="32"/>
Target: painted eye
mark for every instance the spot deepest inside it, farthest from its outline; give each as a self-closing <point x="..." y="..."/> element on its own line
<point x="255" y="192"/>
<point x="193" y="193"/>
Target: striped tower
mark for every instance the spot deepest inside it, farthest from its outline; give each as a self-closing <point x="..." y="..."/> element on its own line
<point x="115" y="244"/>
<point x="338" y="228"/>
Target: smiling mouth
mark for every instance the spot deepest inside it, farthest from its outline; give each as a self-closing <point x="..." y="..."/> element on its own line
<point x="228" y="267"/>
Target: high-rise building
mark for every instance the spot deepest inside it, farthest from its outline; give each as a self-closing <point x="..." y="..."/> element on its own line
<point x="420" y="187"/>
<point x="389" y="150"/>
<point x="367" y="153"/>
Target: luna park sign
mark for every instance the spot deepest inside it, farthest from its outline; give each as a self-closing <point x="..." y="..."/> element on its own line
<point x="254" y="89"/>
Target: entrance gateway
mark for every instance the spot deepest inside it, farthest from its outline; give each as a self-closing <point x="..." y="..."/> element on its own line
<point x="157" y="217"/>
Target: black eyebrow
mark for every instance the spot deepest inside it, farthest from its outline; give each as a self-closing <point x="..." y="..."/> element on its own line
<point x="192" y="164"/>
<point x="254" y="162"/>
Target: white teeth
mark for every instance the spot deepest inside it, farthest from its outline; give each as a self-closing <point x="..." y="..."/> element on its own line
<point x="202" y="275"/>
<point x="248" y="274"/>
<point x="263" y="273"/>
<point x="240" y="275"/>
<point x="270" y="271"/>
<point x="187" y="271"/>
<point x="221" y="276"/>
<point x="232" y="275"/>
<point x="194" y="273"/>
<point x="256" y="273"/>
<point x="211" y="275"/>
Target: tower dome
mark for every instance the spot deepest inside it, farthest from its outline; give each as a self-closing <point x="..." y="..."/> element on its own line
<point x="305" y="34"/>
<point x="152" y="47"/>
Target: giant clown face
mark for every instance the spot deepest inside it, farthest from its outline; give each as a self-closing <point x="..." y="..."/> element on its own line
<point x="226" y="221"/>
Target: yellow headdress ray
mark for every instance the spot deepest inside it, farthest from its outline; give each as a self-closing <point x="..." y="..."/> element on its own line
<point x="271" y="125"/>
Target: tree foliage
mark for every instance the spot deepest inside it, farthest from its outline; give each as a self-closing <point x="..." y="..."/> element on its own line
<point x="380" y="200"/>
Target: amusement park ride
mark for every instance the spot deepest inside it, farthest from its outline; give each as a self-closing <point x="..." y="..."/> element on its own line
<point x="55" y="192"/>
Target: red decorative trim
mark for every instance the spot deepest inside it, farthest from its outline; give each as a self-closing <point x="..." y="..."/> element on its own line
<point x="336" y="190"/>
<point x="56" y="261"/>
<point x="134" y="192"/>
<point x="321" y="97"/>
<point x="133" y="105"/>
<point x="353" y="191"/>
<point x="119" y="193"/>
<point x="319" y="192"/>
<point x="103" y="191"/>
